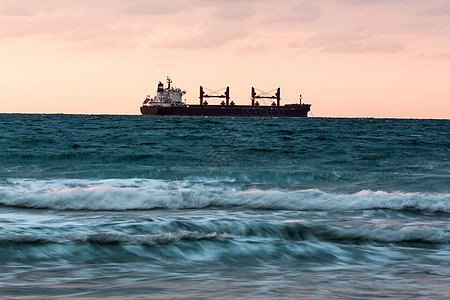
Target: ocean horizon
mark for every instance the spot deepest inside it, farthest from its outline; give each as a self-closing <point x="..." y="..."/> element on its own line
<point x="310" y="116"/>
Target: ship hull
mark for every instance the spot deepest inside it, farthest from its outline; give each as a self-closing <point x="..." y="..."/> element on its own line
<point x="230" y="110"/>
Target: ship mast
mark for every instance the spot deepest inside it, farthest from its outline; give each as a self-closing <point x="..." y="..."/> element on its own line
<point x="169" y="81"/>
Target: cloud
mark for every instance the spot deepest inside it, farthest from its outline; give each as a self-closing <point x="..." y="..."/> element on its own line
<point x="441" y="55"/>
<point x="444" y="55"/>
<point x="361" y="2"/>
<point x="363" y="25"/>
<point x="119" y="23"/>
<point x="341" y="41"/>
<point x="28" y="8"/>
<point x="213" y="34"/>
<point x="234" y="11"/>
<point x="152" y="7"/>
<point x="93" y="25"/>
<point x="302" y="12"/>
<point x="22" y="8"/>
<point x="436" y="9"/>
<point x="12" y="9"/>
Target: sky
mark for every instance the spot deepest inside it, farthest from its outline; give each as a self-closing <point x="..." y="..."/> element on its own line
<point x="348" y="58"/>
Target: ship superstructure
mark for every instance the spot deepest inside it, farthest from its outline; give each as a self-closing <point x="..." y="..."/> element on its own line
<point x="166" y="97"/>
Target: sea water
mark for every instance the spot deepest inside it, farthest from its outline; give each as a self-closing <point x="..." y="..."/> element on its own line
<point x="206" y="207"/>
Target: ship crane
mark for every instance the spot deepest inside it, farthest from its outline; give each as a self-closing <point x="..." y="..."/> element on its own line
<point x="266" y="95"/>
<point x="215" y="94"/>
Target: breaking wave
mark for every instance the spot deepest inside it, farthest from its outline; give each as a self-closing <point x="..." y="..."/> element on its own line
<point x="145" y="194"/>
<point x="109" y="238"/>
<point x="240" y="237"/>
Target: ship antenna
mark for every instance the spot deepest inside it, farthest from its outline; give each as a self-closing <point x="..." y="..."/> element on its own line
<point x="169" y="81"/>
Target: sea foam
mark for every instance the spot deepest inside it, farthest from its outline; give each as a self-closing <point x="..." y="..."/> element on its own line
<point x="144" y="194"/>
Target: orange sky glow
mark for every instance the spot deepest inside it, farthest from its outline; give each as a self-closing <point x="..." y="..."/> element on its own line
<point x="348" y="58"/>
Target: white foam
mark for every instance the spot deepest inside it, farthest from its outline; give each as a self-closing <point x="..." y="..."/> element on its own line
<point x="126" y="194"/>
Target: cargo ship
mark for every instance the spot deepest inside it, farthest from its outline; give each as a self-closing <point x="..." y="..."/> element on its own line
<point x="169" y="102"/>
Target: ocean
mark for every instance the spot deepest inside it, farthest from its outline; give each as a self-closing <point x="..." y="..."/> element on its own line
<point x="102" y="206"/>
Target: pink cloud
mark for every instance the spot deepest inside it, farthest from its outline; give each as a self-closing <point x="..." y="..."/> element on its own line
<point x="152" y="7"/>
<point x="341" y="41"/>
<point x="234" y="11"/>
<point x="94" y="25"/>
<point x="210" y="35"/>
<point x="295" y="12"/>
<point x="365" y="26"/>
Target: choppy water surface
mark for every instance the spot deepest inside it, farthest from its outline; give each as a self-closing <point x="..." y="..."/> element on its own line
<point x="192" y="207"/>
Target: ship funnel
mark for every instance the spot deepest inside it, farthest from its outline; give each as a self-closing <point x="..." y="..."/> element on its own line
<point x="160" y="87"/>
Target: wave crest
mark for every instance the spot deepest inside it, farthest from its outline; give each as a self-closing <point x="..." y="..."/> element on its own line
<point x="112" y="238"/>
<point x="144" y="194"/>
